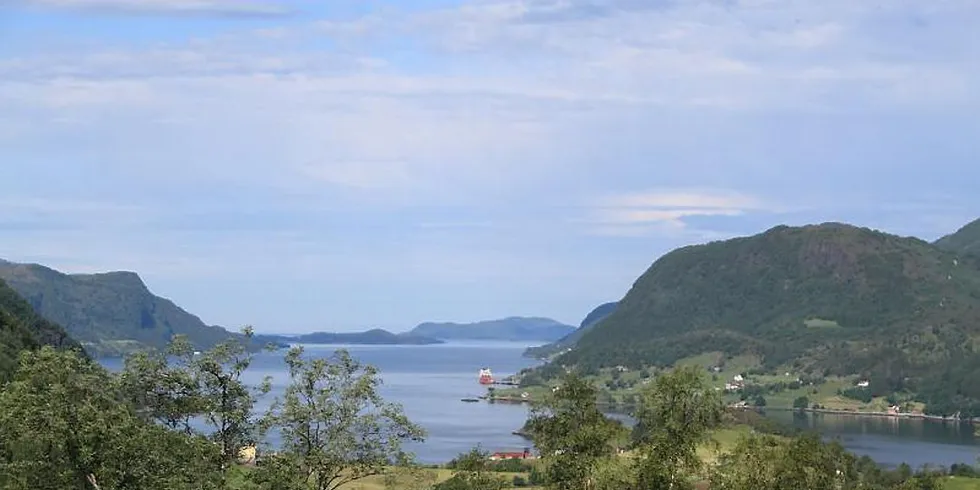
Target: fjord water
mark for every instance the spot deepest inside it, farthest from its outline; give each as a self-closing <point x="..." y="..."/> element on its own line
<point x="890" y="440"/>
<point x="430" y="380"/>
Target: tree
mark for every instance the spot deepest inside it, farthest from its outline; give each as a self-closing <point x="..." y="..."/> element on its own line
<point x="572" y="435"/>
<point x="178" y="385"/>
<point x="472" y="472"/>
<point x="335" y="427"/>
<point x="801" y="403"/>
<point x="760" y="401"/>
<point x="162" y="385"/>
<point x="677" y="412"/>
<point x="228" y="401"/>
<point x="64" y="425"/>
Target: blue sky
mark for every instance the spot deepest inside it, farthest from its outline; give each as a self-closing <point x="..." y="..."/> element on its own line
<point x="341" y="165"/>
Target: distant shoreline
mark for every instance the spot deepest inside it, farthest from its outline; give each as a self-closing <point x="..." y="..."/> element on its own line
<point x="857" y="413"/>
<point x="825" y="411"/>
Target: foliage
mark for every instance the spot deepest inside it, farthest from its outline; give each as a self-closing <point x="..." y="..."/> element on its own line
<point x="23" y="329"/>
<point x="409" y="477"/>
<point x="801" y="403"/>
<point x="501" y="466"/>
<point x="677" y="413"/>
<point x="278" y="472"/>
<point x="228" y="401"/>
<point x="472" y="472"/>
<point x="163" y="387"/>
<point x="572" y="435"/>
<point x="857" y="393"/>
<point x="763" y="462"/>
<point x="904" y="310"/>
<point x="178" y="385"/>
<point x="63" y="426"/>
<point x="334" y="425"/>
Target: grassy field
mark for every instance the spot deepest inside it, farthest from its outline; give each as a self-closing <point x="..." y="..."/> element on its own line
<point x="399" y="479"/>
<point x="960" y="483"/>
<point x="723" y="441"/>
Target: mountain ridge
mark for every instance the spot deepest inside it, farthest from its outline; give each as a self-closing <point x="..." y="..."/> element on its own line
<point x="595" y="316"/>
<point x="109" y="313"/>
<point x="831" y="298"/>
<point x="512" y="328"/>
<point x="966" y="240"/>
<point x="374" y="336"/>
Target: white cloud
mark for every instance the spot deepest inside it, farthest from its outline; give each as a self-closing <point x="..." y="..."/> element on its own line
<point x="683" y="198"/>
<point x="664" y="211"/>
<point x="383" y="132"/>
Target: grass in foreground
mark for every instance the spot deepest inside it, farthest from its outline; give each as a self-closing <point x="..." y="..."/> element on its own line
<point x="961" y="483"/>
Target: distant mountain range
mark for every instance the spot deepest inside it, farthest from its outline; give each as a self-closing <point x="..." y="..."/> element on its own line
<point x="114" y="313"/>
<point x="375" y="336"/>
<point x="505" y="329"/>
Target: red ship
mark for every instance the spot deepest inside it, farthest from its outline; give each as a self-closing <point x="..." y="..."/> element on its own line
<point x="486" y="377"/>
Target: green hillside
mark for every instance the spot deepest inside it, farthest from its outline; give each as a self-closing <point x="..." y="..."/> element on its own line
<point x="508" y="329"/>
<point x="965" y="241"/>
<point x="595" y="316"/>
<point x="22" y="329"/>
<point x="111" y="313"/>
<point x="828" y="299"/>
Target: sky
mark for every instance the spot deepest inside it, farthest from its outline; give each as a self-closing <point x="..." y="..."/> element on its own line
<point x="312" y="165"/>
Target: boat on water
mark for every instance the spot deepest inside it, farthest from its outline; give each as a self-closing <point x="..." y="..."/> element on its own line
<point x="486" y="377"/>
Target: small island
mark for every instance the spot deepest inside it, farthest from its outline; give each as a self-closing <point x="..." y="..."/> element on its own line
<point x="376" y="336"/>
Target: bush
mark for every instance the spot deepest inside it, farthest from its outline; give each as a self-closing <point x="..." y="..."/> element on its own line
<point x="519" y="481"/>
<point x="964" y="470"/>
<point x="801" y="403"/>
<point x="536" y="477"/>
<point x="510" y="466"/>
<point x="859" y="394"/>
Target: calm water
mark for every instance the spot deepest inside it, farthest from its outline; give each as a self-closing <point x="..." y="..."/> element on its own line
<point x="892" y="441"/>
<point x="430" y="380"/>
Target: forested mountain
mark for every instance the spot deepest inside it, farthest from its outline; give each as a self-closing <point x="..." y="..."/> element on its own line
<point x="830" y="299"/>
<point x="513" y="329"/>
<point x="592" y="319"/>
<point x="375" y="336"/>
<point x="965" y="241"/>
<point x="22" y="329"/>
<point x="110" y="313"/>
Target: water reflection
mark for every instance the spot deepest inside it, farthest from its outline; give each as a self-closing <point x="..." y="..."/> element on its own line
<point x="892" y="440"/>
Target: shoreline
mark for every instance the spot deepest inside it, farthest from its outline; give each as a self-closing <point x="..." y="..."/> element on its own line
<point x="870" y="414"/>
<point x="827" y="411"/>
